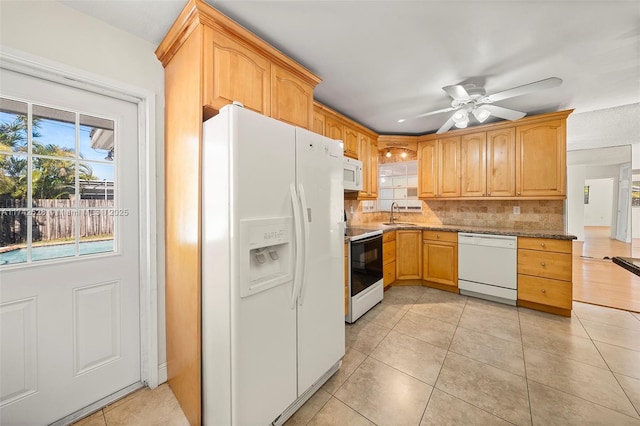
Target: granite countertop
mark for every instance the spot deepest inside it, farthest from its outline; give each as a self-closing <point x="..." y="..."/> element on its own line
<point x="535" y="233"/>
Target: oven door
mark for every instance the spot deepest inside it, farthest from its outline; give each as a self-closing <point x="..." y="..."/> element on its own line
<point x="366" y="263"/>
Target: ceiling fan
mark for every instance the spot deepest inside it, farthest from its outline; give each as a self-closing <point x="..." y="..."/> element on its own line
<point x="470" y="99"/>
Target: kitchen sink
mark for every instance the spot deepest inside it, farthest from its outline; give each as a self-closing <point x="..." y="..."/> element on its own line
<point x="399" y="224"/>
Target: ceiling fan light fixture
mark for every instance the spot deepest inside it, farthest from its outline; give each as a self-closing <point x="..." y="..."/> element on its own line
<point x="462" y="124"/>
<point x="481" y="114"/>
<point x="460" y="116"/>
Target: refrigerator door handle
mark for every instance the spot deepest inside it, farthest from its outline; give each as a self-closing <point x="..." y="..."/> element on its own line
<point x="298" y="238"/>
<point x="306" y="243"/>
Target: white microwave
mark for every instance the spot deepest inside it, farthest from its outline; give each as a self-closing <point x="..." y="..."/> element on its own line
<point x="352" y="171"/>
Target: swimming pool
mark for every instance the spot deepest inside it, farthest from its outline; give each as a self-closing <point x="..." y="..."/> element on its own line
<point x="56" y="251"/>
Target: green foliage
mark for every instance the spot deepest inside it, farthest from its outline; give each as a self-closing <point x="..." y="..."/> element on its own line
<point x="53" y="175"/>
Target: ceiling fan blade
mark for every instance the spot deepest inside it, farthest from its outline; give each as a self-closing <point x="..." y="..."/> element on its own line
<point x="457" y="92"/>
<point x="547" y="83"/>
<point x="508" y="114"/>
<point x="402" y="120"/>
<point x="446" y="126"/>
<point x="436" y="112"/>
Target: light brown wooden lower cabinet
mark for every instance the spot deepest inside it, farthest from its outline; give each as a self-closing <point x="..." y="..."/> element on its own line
<point x="440" y="260"/>
<point x="388" y="257"/>
<point x="408" y="254"/>
<point x="544" y="275"/>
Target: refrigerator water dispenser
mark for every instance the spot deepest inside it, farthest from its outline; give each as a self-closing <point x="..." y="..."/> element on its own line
<point x="266" y="254"/>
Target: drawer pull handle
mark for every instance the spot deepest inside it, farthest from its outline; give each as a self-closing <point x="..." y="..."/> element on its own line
<point x="542" y="264"/>
<point x="543" y="290"/>
<point x="542" y="244"/>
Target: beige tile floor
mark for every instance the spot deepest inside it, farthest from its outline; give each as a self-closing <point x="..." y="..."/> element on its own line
<point x="427" y="357"/>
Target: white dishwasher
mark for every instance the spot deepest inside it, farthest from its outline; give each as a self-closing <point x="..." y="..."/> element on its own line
<point x="487" y="266"/>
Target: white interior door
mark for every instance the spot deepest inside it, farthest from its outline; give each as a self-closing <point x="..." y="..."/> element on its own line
<point x="69" y="258"/>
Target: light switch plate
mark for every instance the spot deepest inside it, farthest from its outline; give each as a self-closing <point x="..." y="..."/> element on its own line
<point x="516" y="209"/>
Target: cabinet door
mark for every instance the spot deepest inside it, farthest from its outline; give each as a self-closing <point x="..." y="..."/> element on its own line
<point x="333" y="128"/>
<point x="501" y="163"/>
<point x="427" y="169"/>
<point x="364" y="143"/>
<point x="291" y="98"/>
<point x="449" y="167"/>
<point x="234" y="73"/>
<point x="440" y="262"/>
<point x="408" y="254"/>
<point x="318" y="122"/>
<point x="541" y="159"/>
<point x="373" y="167"/>
<point x="350" y="142"/>
<point x="473" y="168"/>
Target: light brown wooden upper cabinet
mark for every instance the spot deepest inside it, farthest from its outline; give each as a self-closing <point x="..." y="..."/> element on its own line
<point x="473" y="168"/>
<point x="428" y="169"/>
<point x="351" y="143"/>
<point x="502" y="160"/>
<point x="318" y="121"/>
<point x="488" y="164"/>
<point x="501" y="163"/>
<point x="368" y="154"/>
<point x="291" y="98"/>
<point x="333" y="129"/>
<point x="439" y="168"/>
<point x="233" y="72"/>
<point x="541" y="159"/>
<point x="449" y="167"/>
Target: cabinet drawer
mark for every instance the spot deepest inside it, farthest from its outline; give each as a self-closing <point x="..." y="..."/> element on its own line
<point x="545" y="244"/>
<point x="388" y="252"/>
<point x="389" y="236"/>
<point x="440" y="236"/>
<point x="389" y="273"/>
<point x="545" y="291"/>
<point x="542" y="264"/>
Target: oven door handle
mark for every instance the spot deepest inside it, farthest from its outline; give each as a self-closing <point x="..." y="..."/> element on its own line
<point x="366" y="240"/>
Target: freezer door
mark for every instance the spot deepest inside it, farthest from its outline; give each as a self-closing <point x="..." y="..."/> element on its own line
<point x="321" y="299"/>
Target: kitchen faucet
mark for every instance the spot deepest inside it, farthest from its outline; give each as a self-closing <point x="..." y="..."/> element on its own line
<point x="391" y="216"/>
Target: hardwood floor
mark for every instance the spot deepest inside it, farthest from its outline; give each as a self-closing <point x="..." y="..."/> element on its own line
<point x="599" y="281"/>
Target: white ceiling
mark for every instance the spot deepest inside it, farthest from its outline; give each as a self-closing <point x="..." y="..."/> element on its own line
<point x="385" y="60"/>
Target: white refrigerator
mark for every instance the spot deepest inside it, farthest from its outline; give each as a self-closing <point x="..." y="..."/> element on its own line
<point x="272" y="267"/>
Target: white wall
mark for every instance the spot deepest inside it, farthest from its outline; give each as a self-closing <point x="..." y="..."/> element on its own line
<point x="58" y="33"/>
<point x="598" y="212"/>
<point x="576" y="177"/>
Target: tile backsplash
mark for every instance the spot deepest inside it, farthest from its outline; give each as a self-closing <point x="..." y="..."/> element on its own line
<point x="534" y="214"/>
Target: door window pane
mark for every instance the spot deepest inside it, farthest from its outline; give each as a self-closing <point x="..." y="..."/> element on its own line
<point x="96" y="231"/>
<point x="57" y="184"/>
<point x="54" y="131"/>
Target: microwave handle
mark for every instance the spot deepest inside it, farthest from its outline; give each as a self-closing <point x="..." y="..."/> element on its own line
<point x="358" y="175"/>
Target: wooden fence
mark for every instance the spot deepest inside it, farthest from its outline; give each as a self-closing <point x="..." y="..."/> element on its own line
<point x="54" y="220"/>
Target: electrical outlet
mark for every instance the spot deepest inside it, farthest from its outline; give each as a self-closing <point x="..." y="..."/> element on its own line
<point x="351" y="210"/>
<point x="516" y="209"/>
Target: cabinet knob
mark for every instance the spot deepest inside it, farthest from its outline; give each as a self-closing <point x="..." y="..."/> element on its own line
<point x="488" y="193"/>
<point x="543" y="290"/>
<point x="542" y="244"/>
<point x="542" y="264"/>
<point x="518" y="193"/>
<point x="438" y="236"/>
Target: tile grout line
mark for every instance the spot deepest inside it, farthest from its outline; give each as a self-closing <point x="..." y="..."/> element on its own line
<point x="524" y="362"/>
